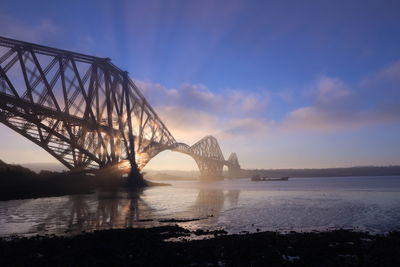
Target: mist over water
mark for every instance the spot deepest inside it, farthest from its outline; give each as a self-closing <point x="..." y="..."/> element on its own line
<point x="301" y="204"/>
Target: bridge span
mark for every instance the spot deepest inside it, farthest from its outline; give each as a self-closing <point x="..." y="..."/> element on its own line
<point x="87" y="113"/>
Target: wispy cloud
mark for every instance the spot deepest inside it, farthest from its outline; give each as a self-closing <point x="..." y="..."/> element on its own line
<point x="390" y="73"/>
<point x="200" y="97"/>
<point x="188" y="125"/>
<point x="43" y="31"/>
<point x="192" y="111"/>
<point x="248" y="126"/>
<point x="339" y="106"/>
<point x="330" y="90"/>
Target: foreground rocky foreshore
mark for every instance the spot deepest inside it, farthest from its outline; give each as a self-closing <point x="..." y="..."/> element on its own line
<point x="158" y="247"/>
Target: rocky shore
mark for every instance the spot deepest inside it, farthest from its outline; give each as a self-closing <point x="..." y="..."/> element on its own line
<point x="176" y="246"/>
<point x="17" y="182"/>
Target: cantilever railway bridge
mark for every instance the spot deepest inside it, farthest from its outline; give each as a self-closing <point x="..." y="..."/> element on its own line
<point x="88" y="113"/>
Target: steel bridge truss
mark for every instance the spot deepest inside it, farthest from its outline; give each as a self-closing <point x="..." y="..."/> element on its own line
<point x="85" y="111"/>
<point x="209" y="157"/>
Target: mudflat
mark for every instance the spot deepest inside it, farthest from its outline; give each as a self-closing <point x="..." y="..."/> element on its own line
<point x="176" y="246"/>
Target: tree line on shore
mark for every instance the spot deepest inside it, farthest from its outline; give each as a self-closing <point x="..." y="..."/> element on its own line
<point x="327" y="172"/>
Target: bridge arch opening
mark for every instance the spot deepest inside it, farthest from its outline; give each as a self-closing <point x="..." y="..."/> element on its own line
<point x="168" y="160"/>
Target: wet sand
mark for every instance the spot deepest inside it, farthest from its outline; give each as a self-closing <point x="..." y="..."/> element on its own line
<point x="158" y="246"/>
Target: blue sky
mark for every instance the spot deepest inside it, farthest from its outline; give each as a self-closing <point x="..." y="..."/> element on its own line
<point x="282" y="83"/>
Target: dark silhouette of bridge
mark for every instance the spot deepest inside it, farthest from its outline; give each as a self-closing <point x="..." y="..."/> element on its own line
<point x="88" y="113"/>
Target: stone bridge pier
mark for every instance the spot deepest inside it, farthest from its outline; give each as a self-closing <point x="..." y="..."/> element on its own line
<point x="209" y="169"/>
<point x="234" y="170"/>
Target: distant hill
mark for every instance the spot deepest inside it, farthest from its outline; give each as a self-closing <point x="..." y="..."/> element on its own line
<point x="328" y="172"/>
<point x="166" y="176"/>
<point x="246" y="173"/>
<point x="5" y="167"/>
<point x="37" y="167"/>
<point x="180" y="174"/>
<point x="171" y="173"/>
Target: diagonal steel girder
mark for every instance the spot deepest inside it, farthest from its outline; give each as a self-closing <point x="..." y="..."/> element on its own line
<point x="86" y="107"/>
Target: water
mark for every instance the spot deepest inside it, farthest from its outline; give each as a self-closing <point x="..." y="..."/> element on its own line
<point x="300" y="204"/>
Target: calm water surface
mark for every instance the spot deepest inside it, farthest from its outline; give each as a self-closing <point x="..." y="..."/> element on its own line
<point x="301" y="204"/>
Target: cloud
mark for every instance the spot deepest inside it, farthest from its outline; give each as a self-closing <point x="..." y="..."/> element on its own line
<point x="44" y="31"/>
<point x="200" y="97"/>
<point x="390" y="73"/>
<point x="330" y="90"/>
<point x="312" y="118"/>
<point x="248" y="126"/>
<point x="318" y="119"/>
<point x="338" y="106"/>
<point x="331" y="108"/>
<point x="188" y="125"/>
<point x="192" y="111"/>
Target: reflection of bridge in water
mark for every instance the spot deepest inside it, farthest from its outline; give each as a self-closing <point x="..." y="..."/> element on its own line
<point x="87" y="113"/>
<point x="105" y="210"/>
<point x="210" y="203"/>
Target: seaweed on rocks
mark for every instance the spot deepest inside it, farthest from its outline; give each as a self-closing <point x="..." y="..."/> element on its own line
<point x="148" y="247"/>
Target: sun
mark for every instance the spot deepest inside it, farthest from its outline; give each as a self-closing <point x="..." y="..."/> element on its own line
<point x="124" y="166"/>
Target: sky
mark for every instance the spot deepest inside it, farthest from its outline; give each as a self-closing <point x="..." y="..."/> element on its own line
<point x="284" y="84"/>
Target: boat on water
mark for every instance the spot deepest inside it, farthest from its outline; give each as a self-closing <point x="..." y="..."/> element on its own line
<point x="258" y="178"/>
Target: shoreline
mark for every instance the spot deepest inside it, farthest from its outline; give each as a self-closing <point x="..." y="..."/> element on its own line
<point x="154" y="247"/>
<point x="17" y="182"/>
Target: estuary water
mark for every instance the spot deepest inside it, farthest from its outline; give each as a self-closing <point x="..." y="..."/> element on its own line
<point x="300" y="204"/>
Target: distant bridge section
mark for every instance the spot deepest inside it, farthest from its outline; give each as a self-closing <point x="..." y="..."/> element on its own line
<point x="87" y="113"/>
<point x="209" y="157"/>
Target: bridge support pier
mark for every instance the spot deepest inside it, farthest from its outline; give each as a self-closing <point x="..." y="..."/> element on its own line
<point x="234" y="171"/>
<point x="210" y="170"/>
<point x="135" y="178"/>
